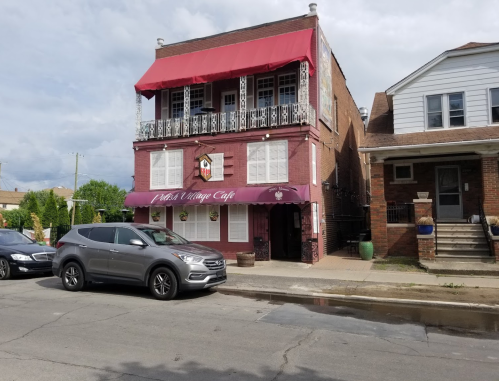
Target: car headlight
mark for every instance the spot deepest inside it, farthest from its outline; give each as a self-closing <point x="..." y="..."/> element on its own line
<point x="21" y="257"/>
<point x="188" y="258"/>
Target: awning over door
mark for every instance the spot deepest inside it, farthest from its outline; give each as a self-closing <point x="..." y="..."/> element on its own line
<point x="230" y="61"/>
<point x="279" y="194"/>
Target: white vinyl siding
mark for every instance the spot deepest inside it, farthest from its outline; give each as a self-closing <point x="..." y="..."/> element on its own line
<point x="471" y="75"/>
<point x="162" y="217"/>
<point x="199" y="226"/>
<point x="217" y="167"/>
<point x="238" y="223"/>
<point x="268" y="162"/>
<point x="314" y="165"/>
<point x="166" y="169"/>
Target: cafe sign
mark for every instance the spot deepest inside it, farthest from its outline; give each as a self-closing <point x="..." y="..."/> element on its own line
<point x="205" y="167"/>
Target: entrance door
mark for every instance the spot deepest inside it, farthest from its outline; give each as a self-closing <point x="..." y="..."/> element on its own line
<point x="285" y="232"/>
<point x="449" y="200"/>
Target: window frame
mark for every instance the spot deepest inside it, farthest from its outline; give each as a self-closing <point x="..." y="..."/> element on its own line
<point x="463" y="109"/>
<point x="177" y="223"/>
<point x="279" y="86"/>
<point x="395" y="178"/>
<point x="445" y="110"/>
<point x="213" y="157"/>
<point x="229" y="239"/>
<point x="427" y="112"/>
<point x="172" y="95"/>
<point x="314" y="164"/>
<point x="222" y="100"/>
<point x="192" y="99"/>
<point x="166" y="161"/>
<point x="335" y="110"/>
<point x="265" y="89"/>
<point x="489" y="93"/>
<point x="267" y="162"/>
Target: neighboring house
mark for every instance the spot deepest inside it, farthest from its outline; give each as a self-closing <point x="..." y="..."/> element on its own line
<point x="250" y="129"/>
<point x="10" y="200"/>
<point x="437" y="131"/>
<point x="61" y="191"/>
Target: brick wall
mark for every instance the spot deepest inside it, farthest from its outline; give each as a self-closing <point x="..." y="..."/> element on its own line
<point x="378" y="210"/>
<point x="402" y="242"/>
<point x="490" y="182"/>
<point x="341" y="148"/>
<point x="426" y="247"/>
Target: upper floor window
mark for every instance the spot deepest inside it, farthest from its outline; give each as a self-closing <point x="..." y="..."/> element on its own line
<point x="197" y="96"/>
<point x="196" y="102"/>
<point x="166" y="169"/>
<point x="178" y="104"/>
<point x="265" y="87"/>
<point x="434" y="107"/>
<point x="456" y="110"/>
<point x="287" y="89"/>
<point x="445" y="110"/>
<point x="494" y="104"/>
<point x="268" y="162"/>
<point x="335" y="110"/>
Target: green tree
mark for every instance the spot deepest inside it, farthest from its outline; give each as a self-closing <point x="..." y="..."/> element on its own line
<point x="42" y="197"/>
<point x="87" y="214"/>
<point x="77" y="215"/>
<point x="102" y="195"/>
<point x="16" y="218"/>
<point x="63" y="213"/>
<point x="97" y="219"/>
<point x="50" y="215"/>
<point x="32" y="207"/>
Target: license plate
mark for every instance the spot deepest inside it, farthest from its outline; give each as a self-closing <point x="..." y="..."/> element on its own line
<point x="221" y="273"/>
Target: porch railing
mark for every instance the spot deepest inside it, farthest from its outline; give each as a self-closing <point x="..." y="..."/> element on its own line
<point x="485" y="225"/>
<point x="231" y="121"/>
<point x="400" y="214"/>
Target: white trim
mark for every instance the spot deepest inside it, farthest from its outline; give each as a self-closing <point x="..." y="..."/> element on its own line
<point x="433" y="159"/>
<point x="295" y="85"/>
<point x="172" y="102"/>
<point x="257" y="90"/>
<point x="437" y="192"/>
<point x="267" y="162"/>
<point x="166" y="154"/>
<point x="400" y="225"/>
<point x="216" y="157"/>
<point x="400" y="182"/>
<point x="246" y="239"/>
<point x="403" y="165"/>
<point x="314" y="164"/>
<point x="222" y="99"/>
<point x="416" y="146"/>
<point x="489" y="102"/>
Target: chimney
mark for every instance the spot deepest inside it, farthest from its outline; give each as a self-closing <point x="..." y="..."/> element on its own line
<point x="313" y="9"/>
<point x="160" y="43"/>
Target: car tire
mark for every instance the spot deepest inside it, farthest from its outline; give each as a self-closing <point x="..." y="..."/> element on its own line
<point x="163" y="284"/>
<point x="4" y="269"/>
<point x="73" y="278"/>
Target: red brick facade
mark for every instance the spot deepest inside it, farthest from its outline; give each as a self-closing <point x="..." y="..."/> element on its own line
<point x="426" y="247"/>
<point x="378" y="210"/>
<point x="490" y="181"/>
<point x="402" y="241"/>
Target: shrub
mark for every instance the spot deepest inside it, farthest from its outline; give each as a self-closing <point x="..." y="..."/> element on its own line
<point x="37" y="227"/>
<point x="425" y="221"/>
<point x="50" y="214"/>
<point x="494" y="221"/>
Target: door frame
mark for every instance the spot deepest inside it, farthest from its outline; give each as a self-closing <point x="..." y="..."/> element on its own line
<point x="222" y="99"/>
<point x="437" y="192"/>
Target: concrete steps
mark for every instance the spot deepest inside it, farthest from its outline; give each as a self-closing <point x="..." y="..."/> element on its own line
<point x="462" y="243"/>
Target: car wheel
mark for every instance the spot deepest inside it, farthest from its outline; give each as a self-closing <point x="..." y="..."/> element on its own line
<point x="4" y="269"/>
<point x="163" y="284"/>
<point x="73" y="278"/>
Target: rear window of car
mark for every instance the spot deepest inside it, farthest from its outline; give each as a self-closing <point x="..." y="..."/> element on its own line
<point x="105" y="235"/>
<point x="84" y="232"/>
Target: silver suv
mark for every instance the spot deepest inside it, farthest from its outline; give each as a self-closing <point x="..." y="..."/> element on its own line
<point x="137" y="254"/>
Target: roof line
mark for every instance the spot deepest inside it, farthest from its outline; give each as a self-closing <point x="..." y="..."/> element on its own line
<point x="426" y="145"/>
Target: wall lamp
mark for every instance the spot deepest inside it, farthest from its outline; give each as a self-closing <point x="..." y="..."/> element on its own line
<point x="202" y="144"/>
<point x="164" y="147"/>
<point x="325" y="184"/>
<point x="136" y="148"/>
<point x="306" y="137"/>
<point x="266" y="137"/>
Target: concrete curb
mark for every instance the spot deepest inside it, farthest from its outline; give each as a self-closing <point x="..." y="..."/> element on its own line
<point x="371" y="299"/>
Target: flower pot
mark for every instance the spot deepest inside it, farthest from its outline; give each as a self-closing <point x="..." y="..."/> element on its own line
<point x="366" y="250"/>
<point x="423" y="195"/>
<point x="213" y="218"/>
<point x="42" y="243"/>
<point x="494" y="229"/>
<point x="183" y="218"/>
<point x="245" y="259"/>
<point x="425" y="229"/>
<point x="155" y="218"/>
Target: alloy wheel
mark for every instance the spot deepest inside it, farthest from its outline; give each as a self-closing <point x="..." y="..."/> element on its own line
<point x="72" y="275"/>
<point x="162" y="283"/>
<point x="3" y="267"/>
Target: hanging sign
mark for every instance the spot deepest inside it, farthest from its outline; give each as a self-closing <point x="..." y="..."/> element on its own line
<point x="204" y="167"/>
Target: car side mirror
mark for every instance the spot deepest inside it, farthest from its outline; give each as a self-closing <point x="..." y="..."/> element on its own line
<point x="137" y="242"/>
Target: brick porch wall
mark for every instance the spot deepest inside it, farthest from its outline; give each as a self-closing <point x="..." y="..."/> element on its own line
<point x="490" y="183"/>
<point x="402" y="241"/>
<point x="378" y="210"/>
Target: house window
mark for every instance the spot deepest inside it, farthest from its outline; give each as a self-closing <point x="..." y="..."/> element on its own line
<point x="197" y="97"/>
<point x="238" y="223"/>
<point x="456" y="110"/>
<point x="265" y="88"/>
<point x="4" y="206"/>
<point x="434" y="110"/>
<point x="314" y="165"/>
<point x="287" y="89"/>
<point x="337" y="174"/>
<point x="229" y="101"/>
<point x="217" y="167"/>
<point x="494" y="104"/>
<point x="268" y="162"/>
<point x="178" y="104"/>
<point x="166" y="169"/>
<point x="198" y="226"/>
<point x="402" y="172"/>
<point x="335" y="110"/>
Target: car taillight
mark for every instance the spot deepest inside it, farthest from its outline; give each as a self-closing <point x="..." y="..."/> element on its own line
<point x="59" y="244"/>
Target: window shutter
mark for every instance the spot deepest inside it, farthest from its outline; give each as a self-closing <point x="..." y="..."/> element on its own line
<point x="250" y="92"/>
<point x="314" y="164"/>
<point x="315" y="216"/>
<point x="165" y="102"/>
<point x="268" y="162"/>
<point x="238" y="223"/>
<point x="208" y="95"/>
<point x="178" y="226"/>
<point x="282" y="161"/>
<point x="217" y="167"/>
<point x="162" y="217"/>
<point x="174" y="169"/>
<point x="214" y="226"/>
<point x="252" y="163"/>
<point x="198" y="226"/>
<point x="158" y="179"/>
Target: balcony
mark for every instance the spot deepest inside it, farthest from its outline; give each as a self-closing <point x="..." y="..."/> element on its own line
<point x="231" y="121"/>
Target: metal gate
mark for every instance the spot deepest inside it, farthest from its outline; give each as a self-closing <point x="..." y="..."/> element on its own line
<point x="261" y="244"/>
<point x="310" y="240"/>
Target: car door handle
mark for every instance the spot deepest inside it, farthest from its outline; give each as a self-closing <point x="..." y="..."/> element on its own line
<point x="114" y="251"/>
<point x="84" y="246"/>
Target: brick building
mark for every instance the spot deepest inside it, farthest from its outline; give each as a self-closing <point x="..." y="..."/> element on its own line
<point x="437" y="131"/>
<point x="255" y="136"/>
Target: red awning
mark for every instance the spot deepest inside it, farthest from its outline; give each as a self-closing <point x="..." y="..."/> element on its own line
<point x="279" y="194"/>
<point x="231" y="61"/>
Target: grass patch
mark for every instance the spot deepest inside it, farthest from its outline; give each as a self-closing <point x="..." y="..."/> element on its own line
<point x="397" y="264"/>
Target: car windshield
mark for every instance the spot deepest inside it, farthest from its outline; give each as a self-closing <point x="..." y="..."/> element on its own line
<point x="13" y="238"/>
<point x="162" y="236"/>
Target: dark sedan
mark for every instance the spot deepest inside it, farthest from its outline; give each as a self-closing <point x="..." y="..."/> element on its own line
<point x="21" y="255"/>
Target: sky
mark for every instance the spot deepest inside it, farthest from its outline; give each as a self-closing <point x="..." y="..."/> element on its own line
<point x="67" y="68"/>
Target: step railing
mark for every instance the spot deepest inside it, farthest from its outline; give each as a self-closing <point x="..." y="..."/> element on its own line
<point x="485" y="225"/>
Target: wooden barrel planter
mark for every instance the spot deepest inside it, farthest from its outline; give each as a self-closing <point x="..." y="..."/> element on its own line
<point x="245" y="259"/>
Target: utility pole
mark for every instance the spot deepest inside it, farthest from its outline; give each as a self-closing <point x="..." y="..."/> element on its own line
<point x="76" y="185"/>
<point x="1" y="173"/>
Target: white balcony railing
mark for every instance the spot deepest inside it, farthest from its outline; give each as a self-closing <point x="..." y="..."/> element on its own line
<point x="231" y="121"/>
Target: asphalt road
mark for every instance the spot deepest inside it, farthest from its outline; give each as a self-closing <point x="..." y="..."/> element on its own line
<point x="113" y="332"/>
